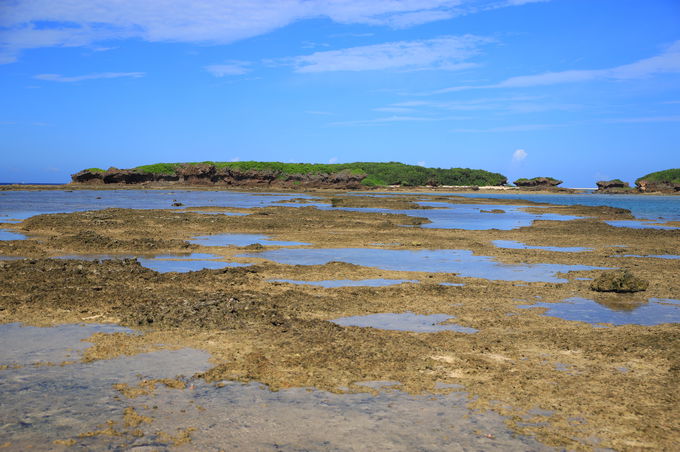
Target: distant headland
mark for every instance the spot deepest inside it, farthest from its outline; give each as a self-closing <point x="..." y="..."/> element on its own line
<point x="355" y="175"/>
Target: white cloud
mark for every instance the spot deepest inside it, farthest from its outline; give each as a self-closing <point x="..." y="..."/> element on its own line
<point x="333" y="160"/>
<point x="80" y="78"/>
<point x="421" y="163"/>
<point x="447" y="52"/>
<point x="235" y="159"/>
<point x="667" y="62"/>
<point x="229" y="68"/>
<point x="70" y="23"/>
<point x="519" y="155"/>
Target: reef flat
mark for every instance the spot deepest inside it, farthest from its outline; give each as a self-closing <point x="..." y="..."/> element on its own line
<point x="594" y="384"/>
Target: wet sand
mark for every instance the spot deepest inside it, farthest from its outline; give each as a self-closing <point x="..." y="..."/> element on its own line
<point x="281" y="334"/>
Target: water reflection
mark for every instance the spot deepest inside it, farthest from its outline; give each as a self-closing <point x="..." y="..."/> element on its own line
<point x="462" y="262"/>
<point x="511" y="244"/>
<point x="653" y="312"/>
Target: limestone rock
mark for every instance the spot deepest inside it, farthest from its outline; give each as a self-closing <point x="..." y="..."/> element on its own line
<point x="620" y="281"/>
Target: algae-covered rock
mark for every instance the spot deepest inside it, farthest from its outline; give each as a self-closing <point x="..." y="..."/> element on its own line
<point x="621" y="281"/>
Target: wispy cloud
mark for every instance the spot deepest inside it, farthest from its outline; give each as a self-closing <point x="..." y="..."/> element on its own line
<point x="80" y="78"/>
<point x="229" y="68"/>
<point x="646" y="119"/>
<point x="514" y="128"/>
<point x="73" y="23"/>
<point x="394" y="119"/>
<point x="446" y="52"/>
<point x="664" y="63"/>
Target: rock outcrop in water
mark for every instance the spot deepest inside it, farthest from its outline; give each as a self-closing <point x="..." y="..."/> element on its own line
<point x="613" y="186"/>
<point x="538" y="182"/>
<point x="621" y="281"/>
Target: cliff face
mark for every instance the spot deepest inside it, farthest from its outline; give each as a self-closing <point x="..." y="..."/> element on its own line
<point x="205" y="174"/>
<point x="658" y="186"/>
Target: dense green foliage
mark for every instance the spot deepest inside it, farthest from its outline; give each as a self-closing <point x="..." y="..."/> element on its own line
<point x="159" y="168"/>
<point x="95" y="170"/>
<point x="669" y="175"/>
<point x="377" y="173"/>
<point x="524" y="180"/>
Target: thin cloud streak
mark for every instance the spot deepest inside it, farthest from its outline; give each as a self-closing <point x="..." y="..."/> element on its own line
<point x="79" y="78"/>
<point x="445" y="53"/>
<point x="667" y="62"/>
<point x="229" y="68"/>
<point x="395" y="119"/>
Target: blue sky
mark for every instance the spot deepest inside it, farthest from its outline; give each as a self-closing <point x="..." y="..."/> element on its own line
<point x="581" y="90"/>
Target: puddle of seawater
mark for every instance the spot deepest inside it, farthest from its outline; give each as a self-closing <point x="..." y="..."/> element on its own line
<point x="47" y="403"/>
<point x="462" y="262"/>
<point x="9" y="235"/>
<point x="655" y="256"/>
<point x="468" y="216"/>
<point x="636" y="224"/>
<point x="451" y="284"/>
<point x="184" y="266"/>
<point x="25" y="345"/>
<point x="378" y="282"/>
<point x="655" y="312"/>
<point x="511" y="244"/>
<point x="240" y="240"/>
<point x="406" y="321"/>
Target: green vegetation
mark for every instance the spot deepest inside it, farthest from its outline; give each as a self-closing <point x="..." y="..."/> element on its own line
<point x="669" y="175"/>
<point x="159" y="168"/>
<point x="539" y="180"/>
<point x="95" y="170"/>
<point x="377" y="174"/>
